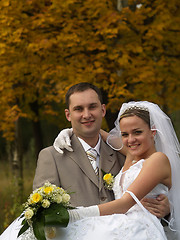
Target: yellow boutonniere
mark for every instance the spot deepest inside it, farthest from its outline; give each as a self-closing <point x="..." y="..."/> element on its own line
<point x="108" y="180"/>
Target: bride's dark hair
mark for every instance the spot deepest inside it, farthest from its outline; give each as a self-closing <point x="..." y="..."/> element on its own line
<point x="136" y="111"/>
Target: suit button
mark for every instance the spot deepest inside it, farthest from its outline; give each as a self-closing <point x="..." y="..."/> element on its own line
<point x="103" y="199"/>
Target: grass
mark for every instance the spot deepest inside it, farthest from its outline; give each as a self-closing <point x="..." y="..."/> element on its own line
<point x="10" y="208"/>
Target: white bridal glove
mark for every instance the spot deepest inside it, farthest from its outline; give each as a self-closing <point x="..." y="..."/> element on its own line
<point x="83" y="212"/>
<point x="74" y="215"/>
<point x="63" y="140"/>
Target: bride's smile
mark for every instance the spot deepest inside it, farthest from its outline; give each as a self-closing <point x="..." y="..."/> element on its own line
<point x="137" y="136"/>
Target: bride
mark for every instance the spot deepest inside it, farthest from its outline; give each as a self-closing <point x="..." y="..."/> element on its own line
<point x="148" y="135"/>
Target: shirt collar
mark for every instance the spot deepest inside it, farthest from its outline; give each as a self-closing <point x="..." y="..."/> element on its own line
<point x="87" y="146"/>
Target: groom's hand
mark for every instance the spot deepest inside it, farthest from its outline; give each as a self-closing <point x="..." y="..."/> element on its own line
<point x="158" y="207"/>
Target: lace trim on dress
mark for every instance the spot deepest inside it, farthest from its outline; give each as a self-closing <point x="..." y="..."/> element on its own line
<point x="28" y="235"/>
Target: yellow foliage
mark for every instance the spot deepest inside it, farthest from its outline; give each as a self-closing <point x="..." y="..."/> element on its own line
<point x="48" y="45"/>
<point x="5" y="3"/>
<point x="2" y="48"/>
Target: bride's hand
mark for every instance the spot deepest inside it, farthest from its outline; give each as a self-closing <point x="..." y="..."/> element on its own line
<point x="104" y="134"/>
<point x="63" y="140"/>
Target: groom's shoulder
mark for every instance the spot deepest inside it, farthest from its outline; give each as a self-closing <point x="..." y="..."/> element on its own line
<point x="48" y="150"/>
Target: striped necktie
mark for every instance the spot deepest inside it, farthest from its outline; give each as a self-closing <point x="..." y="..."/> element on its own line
<point x="92" y="155"/>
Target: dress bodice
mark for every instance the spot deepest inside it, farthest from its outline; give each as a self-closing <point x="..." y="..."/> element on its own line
<point x="124" y="179"/>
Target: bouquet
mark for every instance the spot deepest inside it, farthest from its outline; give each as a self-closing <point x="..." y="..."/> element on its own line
<point x="46" y="206"/>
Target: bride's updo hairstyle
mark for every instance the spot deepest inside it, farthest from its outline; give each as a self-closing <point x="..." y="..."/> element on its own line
<point x="139" y="112"/>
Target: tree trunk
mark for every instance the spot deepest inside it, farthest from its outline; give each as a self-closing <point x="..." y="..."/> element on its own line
<point x="110" y="118"/>
<point x="15" y="158"/>
<point x="121" y="4"/>
<point x="37" y="128"/>
<point x="37" y="136"/>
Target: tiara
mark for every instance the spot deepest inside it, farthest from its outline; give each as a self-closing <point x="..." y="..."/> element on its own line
<point x="136" y="108"/>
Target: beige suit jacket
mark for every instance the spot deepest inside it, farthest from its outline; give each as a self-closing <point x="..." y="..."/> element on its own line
<point x="73" y="172"/>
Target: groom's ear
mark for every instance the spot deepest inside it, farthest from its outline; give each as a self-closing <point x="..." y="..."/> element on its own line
<point x="67" y="114"/>
<point x="103" y="106"/>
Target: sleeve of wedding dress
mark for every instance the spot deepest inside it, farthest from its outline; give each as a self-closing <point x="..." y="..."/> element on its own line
<point x="63" y="140"/>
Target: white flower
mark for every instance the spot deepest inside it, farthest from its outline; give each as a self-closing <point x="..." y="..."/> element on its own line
<point x="65" y="198"/>
<point x="58" y="199"/>
<point x="61" y="190"/>
<point x="28" y="213"/>
<point x="45" y="203"/>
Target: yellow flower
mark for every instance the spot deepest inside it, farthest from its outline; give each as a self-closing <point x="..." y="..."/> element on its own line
<point x="48" y="190"/>
<point x="36" y="197"/>
<point x="108" y="178"/>
<point x="108" y="181"/>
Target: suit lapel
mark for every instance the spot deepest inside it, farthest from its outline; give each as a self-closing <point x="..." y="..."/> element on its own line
<point x="82" y="160"/>
<point x="107" y="161"/>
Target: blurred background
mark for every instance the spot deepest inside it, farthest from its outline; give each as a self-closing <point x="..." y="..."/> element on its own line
<point x="129" y="49"/>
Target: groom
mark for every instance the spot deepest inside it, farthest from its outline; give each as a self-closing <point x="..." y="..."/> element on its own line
<point x="73" y="170"/>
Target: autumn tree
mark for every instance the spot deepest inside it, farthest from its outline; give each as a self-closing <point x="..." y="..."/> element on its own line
<point x="152" y="72"/>
<point x="130" y="52"/>
<point x="46" y="46"/>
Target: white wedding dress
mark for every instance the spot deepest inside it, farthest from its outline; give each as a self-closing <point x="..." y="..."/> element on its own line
<point x="136" y="224"/>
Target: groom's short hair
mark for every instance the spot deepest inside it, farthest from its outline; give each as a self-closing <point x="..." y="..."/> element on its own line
<point x="81" y="87"/>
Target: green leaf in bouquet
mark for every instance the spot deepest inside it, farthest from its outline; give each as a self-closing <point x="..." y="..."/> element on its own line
<point x="38" y="226"/>
<point x="24" y="227"/>
<point x="57" y="214"/>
